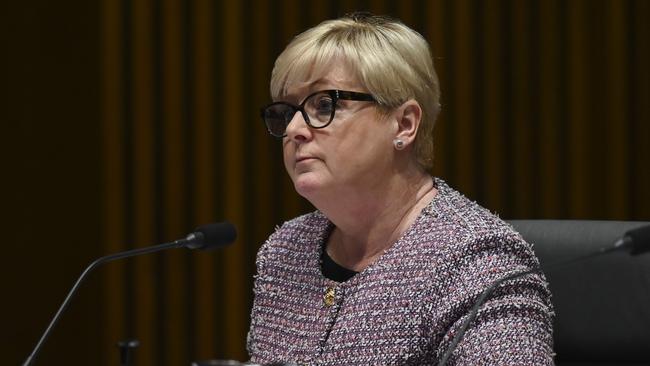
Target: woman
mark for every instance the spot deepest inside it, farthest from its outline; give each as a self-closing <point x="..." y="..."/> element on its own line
<point x="387" y="269"/>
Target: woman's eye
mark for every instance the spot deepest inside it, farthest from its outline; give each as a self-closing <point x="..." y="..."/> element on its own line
<point x="288" y="115"/>
<point x="324" y="105"/>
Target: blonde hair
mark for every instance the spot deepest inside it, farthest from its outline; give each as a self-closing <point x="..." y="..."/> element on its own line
<point x="390" y="59"/>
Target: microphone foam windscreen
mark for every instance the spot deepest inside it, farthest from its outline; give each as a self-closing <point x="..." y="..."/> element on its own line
<point x="640" y="239"/>
<point x="217" y="234"/>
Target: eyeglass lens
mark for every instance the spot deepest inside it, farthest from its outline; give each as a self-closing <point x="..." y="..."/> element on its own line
<point x="318" y="112"/>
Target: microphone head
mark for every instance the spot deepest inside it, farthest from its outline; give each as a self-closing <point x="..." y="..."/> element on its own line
<point x="213" y="236"/>
<point x="640" y="238"/>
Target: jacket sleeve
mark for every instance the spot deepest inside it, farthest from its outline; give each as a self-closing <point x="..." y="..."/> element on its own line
<point x="514" y="324"/>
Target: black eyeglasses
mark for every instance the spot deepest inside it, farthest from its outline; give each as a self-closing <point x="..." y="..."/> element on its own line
<point x="317" y="110"/>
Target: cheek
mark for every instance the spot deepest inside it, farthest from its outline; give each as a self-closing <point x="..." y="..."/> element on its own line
<point x="368" y="147"/>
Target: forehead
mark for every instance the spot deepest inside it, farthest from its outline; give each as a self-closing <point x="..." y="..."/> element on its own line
<point x="335" y="74"/>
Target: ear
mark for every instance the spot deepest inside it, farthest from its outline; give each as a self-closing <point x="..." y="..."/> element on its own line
<point x="408" y="117"/>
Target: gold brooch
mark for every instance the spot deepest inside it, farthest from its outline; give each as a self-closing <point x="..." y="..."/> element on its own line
<point x="329" y="296"/>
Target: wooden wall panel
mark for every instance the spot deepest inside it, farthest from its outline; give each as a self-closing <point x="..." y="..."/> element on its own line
<point x="113" y="193"/>
<point x="549" y="106"/>
<point x="578" y="115"/>
<point x="613" y="100"/>
<point x="435" y="23"/>
<point x="234" y="143"/>
<point x="521" y="124"/>
<point x="530" y="97"/>
<point x="545" y="114"/>
<point x="205" y="274"/>
<point x="639" y="82"/>
<point x="50" y="188"/>
<point x="462" y="52"/>
<point x="493" y="107"/>
<point x="142" y="176"/>
<point x="175" y="163"/>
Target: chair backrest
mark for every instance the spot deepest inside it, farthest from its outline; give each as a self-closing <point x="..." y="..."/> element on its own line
<point x="602" y="305"/>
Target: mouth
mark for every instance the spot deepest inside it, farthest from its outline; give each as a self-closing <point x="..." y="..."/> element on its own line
<point x="304" y="159"/>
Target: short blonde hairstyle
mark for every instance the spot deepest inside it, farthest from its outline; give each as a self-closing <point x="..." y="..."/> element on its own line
<point x="390" y="59"/>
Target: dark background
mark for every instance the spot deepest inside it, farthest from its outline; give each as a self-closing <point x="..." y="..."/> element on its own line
<point x="127" y="123"/>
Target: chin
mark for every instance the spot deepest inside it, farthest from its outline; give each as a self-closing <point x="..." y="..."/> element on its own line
<point x="307" y="184"/>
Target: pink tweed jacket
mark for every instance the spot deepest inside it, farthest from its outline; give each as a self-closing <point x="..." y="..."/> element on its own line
<point x="404" y="308"/>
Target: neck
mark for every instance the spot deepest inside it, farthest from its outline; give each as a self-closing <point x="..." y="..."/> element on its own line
<point x="368" y="221"/>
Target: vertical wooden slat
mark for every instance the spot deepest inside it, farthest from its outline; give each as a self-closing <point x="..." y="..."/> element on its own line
<point x="143" y="172"/>
<point x="548" y="75"/>
<point x="113" y="194"/>
<point x="493" y="105"/>
<point x="290" y="28"/>
<point x="175" y="352"/>
<point x="639" y="178"/>
<point x="463" y="76"/>
<point x="348" y="7"/>
<point x="378" y="7"/>
<point x="204" y="176"/>
<point x="578" y="104"/>
<point x="406" y="12"/>
<point x="233" y="143"/>
<point x="318" y="12"/>
<point x="435" y="34"/>
<point x="290" y="22"/>
<point x="520" y="80"/>
<point x="263" y="142"/>
<point x="616" y="114"/>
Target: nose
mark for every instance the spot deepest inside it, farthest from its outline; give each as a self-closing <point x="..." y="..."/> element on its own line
<point x="298" y="130"/>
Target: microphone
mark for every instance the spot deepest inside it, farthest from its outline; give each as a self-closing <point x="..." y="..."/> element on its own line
<point x="211" y="236"/>
<point x="636" y="241"/>
<point x="205" y="237"/>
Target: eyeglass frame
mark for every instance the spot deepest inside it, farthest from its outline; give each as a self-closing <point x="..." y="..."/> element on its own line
<point x="335" y="94"/>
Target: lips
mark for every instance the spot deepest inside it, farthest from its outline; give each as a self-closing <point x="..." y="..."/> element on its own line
<point x="304" y="158"/>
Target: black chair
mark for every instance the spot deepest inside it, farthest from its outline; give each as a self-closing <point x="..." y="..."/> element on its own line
<point x="602" y="305"/>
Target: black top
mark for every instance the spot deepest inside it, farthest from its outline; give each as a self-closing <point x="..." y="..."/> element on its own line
<point x="333" y="270"/>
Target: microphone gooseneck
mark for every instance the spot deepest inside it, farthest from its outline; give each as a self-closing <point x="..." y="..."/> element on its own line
<point x="205" y="237"/>
<point x="635" y="241"/>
